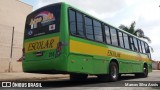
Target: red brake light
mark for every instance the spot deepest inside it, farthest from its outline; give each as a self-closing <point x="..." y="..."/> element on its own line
<point x="22" y="58"/>
<point x="23" y="51"/>
<point x="59" y="48"/>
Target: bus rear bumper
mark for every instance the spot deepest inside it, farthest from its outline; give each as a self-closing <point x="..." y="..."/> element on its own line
<point x="43" y="66"/>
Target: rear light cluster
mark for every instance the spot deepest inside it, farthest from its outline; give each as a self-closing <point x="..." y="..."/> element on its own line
<point x="22" y="58"/>
<point x="23" y="53"/>
<point x="59" y="46"/>
<point x="59" y="49"/>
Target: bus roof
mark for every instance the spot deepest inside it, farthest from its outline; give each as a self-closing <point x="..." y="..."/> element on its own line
<point x="45" y="6"/>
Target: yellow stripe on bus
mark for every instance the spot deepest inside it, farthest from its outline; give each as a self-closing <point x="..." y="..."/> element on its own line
<point x="42" y="44"/>
<point x="80" y="47"/>
<point x="90" y="49"/>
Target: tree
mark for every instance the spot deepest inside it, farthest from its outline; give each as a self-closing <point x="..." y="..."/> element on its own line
<point x="136" y="32"/>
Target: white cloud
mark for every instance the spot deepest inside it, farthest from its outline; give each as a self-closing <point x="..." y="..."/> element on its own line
<point x="149" y="11"/>
<point x="101" y="9"/>
<point x="131" y="2"/>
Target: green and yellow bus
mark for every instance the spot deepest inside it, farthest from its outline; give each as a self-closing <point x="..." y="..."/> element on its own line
<point x="59" y="37"/>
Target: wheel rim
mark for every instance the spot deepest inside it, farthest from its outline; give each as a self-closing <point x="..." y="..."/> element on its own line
<point x="145" y="71"/>
<point x="114" y="72"/>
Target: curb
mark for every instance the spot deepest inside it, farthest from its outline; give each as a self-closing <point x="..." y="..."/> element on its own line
<point x="54" y="77"/>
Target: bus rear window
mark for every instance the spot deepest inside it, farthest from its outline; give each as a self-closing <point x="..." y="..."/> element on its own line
<point x="43" y="21"/>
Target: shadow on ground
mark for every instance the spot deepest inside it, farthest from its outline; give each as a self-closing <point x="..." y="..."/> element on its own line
<point x="90" y="82"/>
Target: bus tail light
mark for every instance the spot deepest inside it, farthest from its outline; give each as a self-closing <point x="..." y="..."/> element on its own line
<point x="23" y="53"/>
<point x="59" y="48"/>
<point x="22" y="58"/>
<point x="23" y="50"/>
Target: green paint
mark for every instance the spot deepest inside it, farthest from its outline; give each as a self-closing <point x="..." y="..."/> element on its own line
<point x="76" y="62"/>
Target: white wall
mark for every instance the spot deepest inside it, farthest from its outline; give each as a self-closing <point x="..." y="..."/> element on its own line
<point x="12" y="14"/>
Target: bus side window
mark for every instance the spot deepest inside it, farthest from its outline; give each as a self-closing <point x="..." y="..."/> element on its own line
<point x="89" y="28"/>
<point x="132" y="43"/>
<point x="80" y="31"/>
<point x="72" y="22"/>
<point x="97" y="31"/>
<point x="114" y="38"/>
<point x="146" y="48"/>
<point x="121" y="41"/>
<point x="107" y="34"/>
<point x="140" y="47"/>
<point x="135" y="44"/>
<point x="143" y="47"/>
<point x="126" y="41"/>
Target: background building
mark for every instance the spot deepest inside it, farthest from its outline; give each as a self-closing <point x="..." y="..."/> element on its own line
<point x="12" y="18"/>
<point x="156" y="65"/>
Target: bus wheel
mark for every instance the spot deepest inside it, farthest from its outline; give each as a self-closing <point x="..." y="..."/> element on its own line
<point x="144" y="73"/>
<point x="113" y="72"/>
<point x="78" y="77"/>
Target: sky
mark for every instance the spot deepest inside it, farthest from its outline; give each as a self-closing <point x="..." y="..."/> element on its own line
<point x="146" y="14"/>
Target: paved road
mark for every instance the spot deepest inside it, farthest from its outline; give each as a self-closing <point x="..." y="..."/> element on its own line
<point x="93" y="84"/>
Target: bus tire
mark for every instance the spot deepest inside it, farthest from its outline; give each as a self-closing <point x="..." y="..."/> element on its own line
<point x="113" y="72"/>
<point x="78" y="77"/>
<point x="144" y="73"/>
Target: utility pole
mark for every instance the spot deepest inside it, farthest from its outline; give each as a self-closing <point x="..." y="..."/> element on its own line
<point x="12" y="43"/>
<point x="10" y="67"/>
